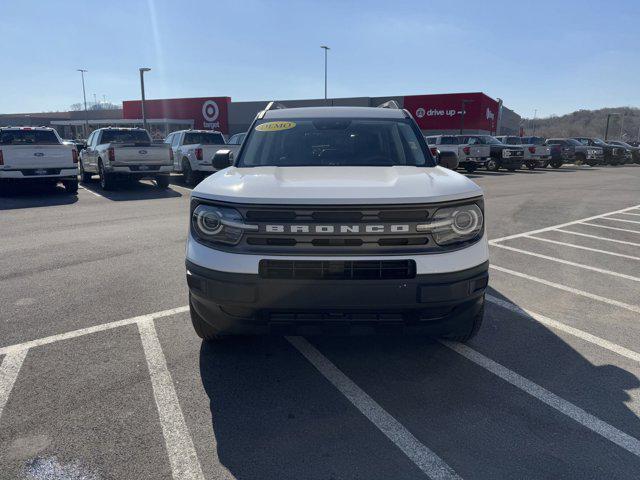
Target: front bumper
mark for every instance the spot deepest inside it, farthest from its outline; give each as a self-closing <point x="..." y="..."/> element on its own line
<point x="436" y="304"/>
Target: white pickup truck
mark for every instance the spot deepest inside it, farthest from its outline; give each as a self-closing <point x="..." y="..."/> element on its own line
<point x="37" y="153"/>
<point x="470" y="156"/>
<point x="535" y="155"/>
<point x="115" y="153"/>
<point x="193" y="152"/>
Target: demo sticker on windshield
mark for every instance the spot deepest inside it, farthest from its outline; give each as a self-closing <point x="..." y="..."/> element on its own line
<point x="275" y="126"/>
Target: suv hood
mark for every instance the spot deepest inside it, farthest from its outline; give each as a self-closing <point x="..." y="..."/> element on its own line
<point x="336" y="185"/>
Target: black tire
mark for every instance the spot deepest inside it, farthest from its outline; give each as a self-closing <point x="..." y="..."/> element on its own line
<point x="545" y="164"/>
<point x="531" y="166"/>
<point x="188" y="175"/>
<point x="556" y="164"/>
<point x="473" y="331"/>
<point x="70" y="186"/>
<point x="107" y="182"/>
<point x="470" y="167"/>
<point x="492" y="165"/>
<point x="162" y="181"/>
<point x="84" y="176"/>
<point x="202" y="328"/>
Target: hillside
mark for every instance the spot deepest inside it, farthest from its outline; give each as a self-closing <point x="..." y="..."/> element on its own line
<point x="589" y="123"/>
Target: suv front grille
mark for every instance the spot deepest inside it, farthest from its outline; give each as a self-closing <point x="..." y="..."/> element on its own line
<point x="338" y="270"/>
<point x="339" y="229"/>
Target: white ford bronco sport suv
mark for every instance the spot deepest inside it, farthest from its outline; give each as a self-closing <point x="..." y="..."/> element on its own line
<point x="336" y="220"/>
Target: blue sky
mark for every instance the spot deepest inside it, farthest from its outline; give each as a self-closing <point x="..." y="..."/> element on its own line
<point x="553" y="56"/>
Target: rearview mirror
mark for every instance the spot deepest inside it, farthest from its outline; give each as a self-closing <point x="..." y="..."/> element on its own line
<point x="447" y="160"/>
<point x="222" y="159"/>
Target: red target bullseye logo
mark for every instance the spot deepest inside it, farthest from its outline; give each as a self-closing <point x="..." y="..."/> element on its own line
<point x="210" y="111"/>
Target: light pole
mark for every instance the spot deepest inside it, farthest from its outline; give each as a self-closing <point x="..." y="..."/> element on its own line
<point x="84" y="96"/>
<point x="462" y="114"/>
<point x="326" y="49"/>
<point x="606" y="130"/>
<point x="535" y="112"/>
<point x="144" y="117"/>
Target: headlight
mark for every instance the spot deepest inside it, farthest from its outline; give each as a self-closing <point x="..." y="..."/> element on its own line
<point x="218" y="224"/>
<point x="454" y="224"/>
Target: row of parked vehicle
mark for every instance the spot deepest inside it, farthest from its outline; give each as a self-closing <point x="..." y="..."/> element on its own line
<point x="115" y="154"/>
<point x="512" y="152"/>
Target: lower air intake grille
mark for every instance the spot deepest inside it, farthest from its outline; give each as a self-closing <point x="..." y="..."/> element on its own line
<point x="338" y="270"/>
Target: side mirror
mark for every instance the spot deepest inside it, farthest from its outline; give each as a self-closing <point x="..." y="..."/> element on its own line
<point x="447" y="160"/>
<point x="222" y="159"/>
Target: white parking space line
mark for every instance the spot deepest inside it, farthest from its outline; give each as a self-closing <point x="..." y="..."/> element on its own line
<point x="180" y="186"/>
<point x="610" y="228"/>
<point x="573" y="264"/>
<point x="425" y="459"/>
<point x="559" y="286"/>
<point x="182" y="453"/>
<point x="562" y="225"/>
<point x="9" y="369"/>
<point x="580" y="247"/>
<point x="89" y="330"/>
<point x="621" y="220"/>
<point x="629" y="213"/>
<point x="565" y="407"/>
<point x="597" y="237"/>
<point x="91" y="192"/>
<point x="549" y="322"/>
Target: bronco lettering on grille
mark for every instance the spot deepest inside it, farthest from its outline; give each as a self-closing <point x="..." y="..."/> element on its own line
<point x="341" y="229"/>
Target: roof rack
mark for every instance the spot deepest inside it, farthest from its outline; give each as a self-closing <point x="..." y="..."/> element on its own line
<point x="270" y="106"/>
<point x="390" y="104"/>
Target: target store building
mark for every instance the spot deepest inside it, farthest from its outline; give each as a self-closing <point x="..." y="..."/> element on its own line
<point x="438" y="113"/>
<point x="473" y="112"/>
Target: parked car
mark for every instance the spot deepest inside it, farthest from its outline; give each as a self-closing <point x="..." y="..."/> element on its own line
<point x="613" y="154"/>
<point x="37" y="153"/>
<point x="534" y="155"/>
<point x="570" y="150"/>
<point x="509" y="157"/>
<point x="356" y="230"/>
<point x="540" y="143"/>
<point x="125" y="153"/>
<point x="634" y="152"/>
<point x="193" y="152"/>
<point x="470" y="157"/>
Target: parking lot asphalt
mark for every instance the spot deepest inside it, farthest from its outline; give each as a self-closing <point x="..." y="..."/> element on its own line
<point x="102" y="376"/>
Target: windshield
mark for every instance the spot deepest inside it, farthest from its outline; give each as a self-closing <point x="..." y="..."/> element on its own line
<point x="125" y="136"/>
<point x="28" y="137"/>
<point x="600" y="142"/>
<point x="573" y="142"/>
<point x="203" y="138"/>
<point x="513" y="141"/>
<point x="335" y="142"/>
<point x="533" y="140"/>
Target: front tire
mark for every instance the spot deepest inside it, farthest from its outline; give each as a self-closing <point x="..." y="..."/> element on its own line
<point x="531" y="165"/>
<point x="492" y="165"/>
<point x="84" y="176"/>
<point x="202" y="328"/>
<point x="188" y="174"/>
<point x="476" y="323"/>
<point x="556" y="164"/>
<point x="107" y="182"/>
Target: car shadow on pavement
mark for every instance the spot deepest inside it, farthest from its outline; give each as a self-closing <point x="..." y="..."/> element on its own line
<point x="30" y="195"/>
<point x="131" y="190"/>
<point x="272" y="415"/>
